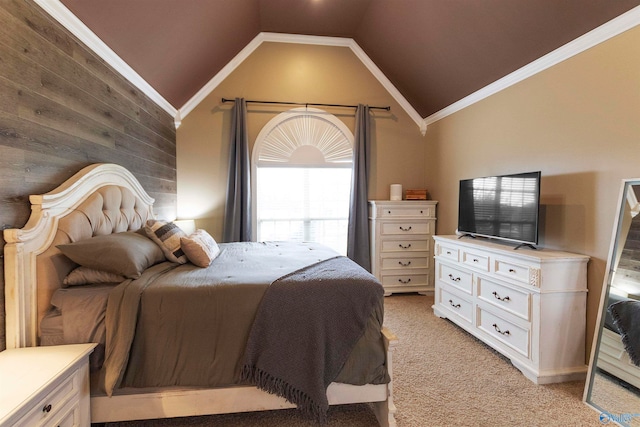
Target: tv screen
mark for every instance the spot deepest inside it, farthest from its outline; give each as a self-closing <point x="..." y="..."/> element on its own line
<point x="504" y="207"/>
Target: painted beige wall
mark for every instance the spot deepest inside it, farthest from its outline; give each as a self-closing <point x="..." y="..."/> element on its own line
<point x="301" y="73"/>
<point x="579" y="123"/>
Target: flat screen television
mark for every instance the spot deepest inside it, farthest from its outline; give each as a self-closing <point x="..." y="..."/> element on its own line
<point x="501" y="207"/>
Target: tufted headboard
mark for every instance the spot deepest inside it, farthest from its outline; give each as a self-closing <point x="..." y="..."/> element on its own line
<point x="100" y="199"/>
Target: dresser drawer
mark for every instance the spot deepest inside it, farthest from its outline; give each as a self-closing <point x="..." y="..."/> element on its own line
<point x="47" y="409"/>
<point x="404" y="262"/>
<point x="506" y="298"/>
<point x="512" y="270"/>
<point x="447" y="252"/>
<point x="391" y="280"/>
<point x="459" y="279"/>
<point x="504" y="331"/>
<point x="475" y="260"/>
<point x="405" y="228"/>
<point x="407" y="211"/>
<point x="450" y="301"/>
<point x="400" y="245"/>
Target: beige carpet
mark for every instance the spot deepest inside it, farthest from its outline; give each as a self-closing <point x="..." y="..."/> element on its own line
<point x="443" y="377"/>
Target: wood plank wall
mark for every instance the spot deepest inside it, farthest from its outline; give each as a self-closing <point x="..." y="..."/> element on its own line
<point x="62" y="108"/>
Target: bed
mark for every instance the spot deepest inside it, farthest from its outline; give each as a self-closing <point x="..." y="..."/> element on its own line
<point x="107" y="200"/>
<point x="614" y="356"/>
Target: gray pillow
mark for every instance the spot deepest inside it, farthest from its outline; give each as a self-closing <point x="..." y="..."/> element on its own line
<point x="88" y="276"/>
<point x="128" y="253"/>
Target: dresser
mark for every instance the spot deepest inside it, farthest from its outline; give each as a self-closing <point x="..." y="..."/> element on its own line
<point x="402" y="244"/>
<point x="529" y="305"/>
<point x="45" y="386"/>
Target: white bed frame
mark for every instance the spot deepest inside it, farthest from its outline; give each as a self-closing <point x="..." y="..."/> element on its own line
<point x="23" y="291"/>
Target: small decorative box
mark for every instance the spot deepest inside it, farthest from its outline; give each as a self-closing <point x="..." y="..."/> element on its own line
<point x="416" y="194"/>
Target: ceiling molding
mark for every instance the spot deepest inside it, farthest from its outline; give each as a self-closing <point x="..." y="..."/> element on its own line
<point x="72" y="23"/>
<point x="616" y="26"/>
<point x="302" y="39"/>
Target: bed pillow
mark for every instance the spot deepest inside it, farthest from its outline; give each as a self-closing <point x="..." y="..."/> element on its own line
<point x="167" y="236"/>
<point x="127" y="253"/>
<point x="87" y="276"/>
<point x="201" y="249"/>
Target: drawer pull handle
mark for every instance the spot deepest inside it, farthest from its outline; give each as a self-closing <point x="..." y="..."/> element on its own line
<point x="405" y="229"/>
<point x="389" y="212"/>
<point x="47" y="409"/>
<point x="511" y="270"/>
<point x="499" y="331"/>
<point x="421" y="212"/>
<point x="476" y="260"/>
<point x="495" y="294"/>
<point x="454" y="305"/>
<point x="404" y="281"/>
<point x="448" y="252"/>
<point x="405" y="247"/>
<point x="455" y="279"/>
<point x="404" y="264"/>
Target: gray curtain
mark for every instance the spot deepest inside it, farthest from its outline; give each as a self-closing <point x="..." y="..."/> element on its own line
<point x="237" y="217"/>
<point x="358" y="229"/>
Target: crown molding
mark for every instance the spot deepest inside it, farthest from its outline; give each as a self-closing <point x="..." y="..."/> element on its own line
<point x="67" y="19"/>
<point x="302" y="39"/>
<point x="616" y="26"/>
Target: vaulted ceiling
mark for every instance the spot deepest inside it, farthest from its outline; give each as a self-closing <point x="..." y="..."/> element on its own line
<point x="435" y="52"/>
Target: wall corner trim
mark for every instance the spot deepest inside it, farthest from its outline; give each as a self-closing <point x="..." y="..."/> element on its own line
<point x="608" y="30"/>
<point x="67" y="19"/>
<point x="301" y="39"/>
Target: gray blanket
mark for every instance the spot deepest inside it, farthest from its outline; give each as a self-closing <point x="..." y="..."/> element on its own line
<point x="626" y="317"/>
<point x="307" y="325"/>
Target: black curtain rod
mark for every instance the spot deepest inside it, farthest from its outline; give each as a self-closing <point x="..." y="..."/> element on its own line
<point x="307" y="104"/>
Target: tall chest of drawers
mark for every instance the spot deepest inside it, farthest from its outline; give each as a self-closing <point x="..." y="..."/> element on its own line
<point x="402" y="244"/>
<point x="529" y="305"/>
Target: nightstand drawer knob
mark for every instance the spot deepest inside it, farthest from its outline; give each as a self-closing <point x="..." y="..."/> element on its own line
<point x="47" y="409"/>
<point x="405" y="246"/>
<point x="405" y="229"/>
<point x="404" y="264"/>
<point x="404" y="282"/>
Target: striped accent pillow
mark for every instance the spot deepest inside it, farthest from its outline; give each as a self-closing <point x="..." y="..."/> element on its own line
<point x="167" y="235"/>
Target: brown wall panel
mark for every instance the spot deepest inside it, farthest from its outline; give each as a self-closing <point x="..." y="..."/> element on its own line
<point x="62" y="108"/>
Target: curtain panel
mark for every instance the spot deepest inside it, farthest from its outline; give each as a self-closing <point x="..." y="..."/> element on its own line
<point x="358" y="239"/>
<point x="237" y="218"/>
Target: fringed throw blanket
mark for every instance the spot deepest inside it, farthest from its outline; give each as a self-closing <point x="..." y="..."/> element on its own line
<point x="626" y="317"/>
<point x="305" y="328"/>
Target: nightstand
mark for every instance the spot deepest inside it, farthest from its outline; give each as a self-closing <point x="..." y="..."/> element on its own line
<point x="45" y="386"/>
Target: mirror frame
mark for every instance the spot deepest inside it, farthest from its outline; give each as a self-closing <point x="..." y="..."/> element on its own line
<point x="623" y="200"/>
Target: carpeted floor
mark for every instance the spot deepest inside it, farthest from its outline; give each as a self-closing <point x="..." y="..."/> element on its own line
<point x="443" y="377"/>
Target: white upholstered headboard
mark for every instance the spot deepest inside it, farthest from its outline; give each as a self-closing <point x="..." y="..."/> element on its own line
<point x="101" y="199"/>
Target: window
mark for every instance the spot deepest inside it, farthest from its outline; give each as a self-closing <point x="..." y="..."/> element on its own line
<point x="302" y="178"/>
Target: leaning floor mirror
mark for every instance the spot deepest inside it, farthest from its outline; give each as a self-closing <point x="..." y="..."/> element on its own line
<point x="613" y="383"/>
